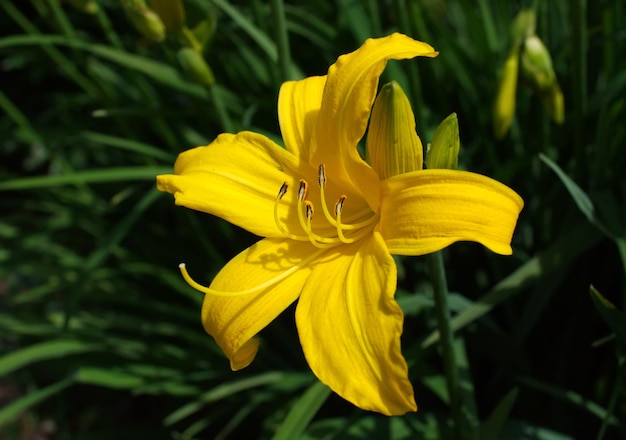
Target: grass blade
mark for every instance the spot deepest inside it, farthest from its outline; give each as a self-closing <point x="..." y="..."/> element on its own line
<point x="302" y="412"/>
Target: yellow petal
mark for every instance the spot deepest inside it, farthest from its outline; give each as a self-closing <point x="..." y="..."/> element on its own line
<point x="237" y="178"/>
<point x="298" y="105"/>
<point x="234" y="321"/>
<point x="350" y="325"/>
<point x="427" y="210"/>
<point x="348" y="96"/>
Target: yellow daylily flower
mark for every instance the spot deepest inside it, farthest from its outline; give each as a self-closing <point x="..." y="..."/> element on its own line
<point x="330" y="225"/>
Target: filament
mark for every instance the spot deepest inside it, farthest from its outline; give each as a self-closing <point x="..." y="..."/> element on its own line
<point x="255" y="289"/>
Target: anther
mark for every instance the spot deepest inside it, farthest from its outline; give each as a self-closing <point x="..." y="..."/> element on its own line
<point x="282" y="191"/>
<point x="309" y="210"/>
<point x="321" y="176"/>
<point x="339" y="205"/>
<point x="303" y="190"/>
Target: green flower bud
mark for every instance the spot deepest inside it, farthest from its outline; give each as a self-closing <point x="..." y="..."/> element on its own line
<point x="553" y="103"/>
<point x="443" y="151"/>
<point x="523" y="26"/>
<point x="172" y="13"/>
<point x="393" y="147"/>
<point x="196" y="68"/>
<point x="504" y="106"/>
<point x="144" y="19"/>
<point x="86" y="6"/>
<point x="537" y="64"/>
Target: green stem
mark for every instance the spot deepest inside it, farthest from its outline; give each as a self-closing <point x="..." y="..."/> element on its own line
<point x="437" y="273"/>
<point x="282" y="39"/>
<point x="621" y="362"/>
<point x="222" y="114"/>
<point x="579" y="77"/>
<point x="374" y="13"/>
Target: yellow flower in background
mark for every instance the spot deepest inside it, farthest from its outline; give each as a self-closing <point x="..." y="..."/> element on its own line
<point x="331" y="224"/>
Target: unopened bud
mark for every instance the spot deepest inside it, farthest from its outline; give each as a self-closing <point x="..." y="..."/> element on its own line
<point x="86" y="6"/>
<point x="144" y="19"/>
<point x="393" y="146"/>
<point x="172" y="13"/>
<point x="196" y="68"/>
<point x="504" y="106"/>
<point x="553" y="103"/>
<point x="444" y="149"/>
<point x="523" y="26"/>
<point x="537" y="64"/>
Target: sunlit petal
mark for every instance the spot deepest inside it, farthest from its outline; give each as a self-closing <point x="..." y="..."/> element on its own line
<point x="350" y="326"/>
<point x="234" y="321"/>
<point x="237" y="178"/>
<point x="427" y="210"/>
<point x="348" y="96"/>
<point x="298" y="105"/>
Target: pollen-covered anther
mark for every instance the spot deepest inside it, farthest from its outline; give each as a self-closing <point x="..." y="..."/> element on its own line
<point x="282" y="191"/>
<point x="309" y="210"/>
<point x="339" y="205"/>
<point x="303" y="190"/>
<point x="321" y="179"/>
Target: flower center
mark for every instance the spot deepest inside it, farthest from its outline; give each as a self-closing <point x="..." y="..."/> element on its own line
<point x="344" y="233"/>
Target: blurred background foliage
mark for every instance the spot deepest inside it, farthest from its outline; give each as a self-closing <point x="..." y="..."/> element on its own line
<point x="99" y="336"/>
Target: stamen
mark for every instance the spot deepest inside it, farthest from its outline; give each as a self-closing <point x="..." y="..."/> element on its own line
<point x="340" y="227"/>
<point x="282" y="191"/>
<point x="309" y="210"/>
<point x="321" y="176"/>
<point x="339" y="205"/>
<point x="303" y="190"/>
<point x="322" y="182"/>
<point x="305" y="212"/>
<point x="256" y="289"/>
<point x="329" y="218"/>
<point x="305" y="224"/>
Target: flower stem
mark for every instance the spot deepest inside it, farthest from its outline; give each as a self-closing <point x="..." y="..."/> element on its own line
<point x="220" y="109"/>
<point x="282" y="39"/>
<point x="437" y="273"/>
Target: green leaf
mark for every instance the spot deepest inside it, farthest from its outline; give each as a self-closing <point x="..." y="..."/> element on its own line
<point x="302" y="412"/>
<point x="611" y="315"/>
<point x="118" y="174"/>
<point x="581" y="199"/>
<point x="11" y="411"/>
<point x="571" y="398"/>
<point x="161" y="72"/>
<point x="42" y="351"/>
<point x="261" y="39"/>
<point x="128" y="145"/>
<point x="221" y="392"/>
<point x="109" y="378"/>
<point x="491" y="429"/>
<point x="565" y="249"/>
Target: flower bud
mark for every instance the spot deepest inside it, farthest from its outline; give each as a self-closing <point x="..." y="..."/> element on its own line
<point x="443" y="151"/>
<point x="538" y="72"/>
<point x="553" y="103"/>
<point x="523" y="26"/>
<point x="393" y="147"/>
<point x="86" y="6"/>
<point x="172" y="13"/>
<point x="537" y="64"/>
<point x="196" y="68"/>
<point x="144" y="19"/>
<point x="504" y="106"/>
